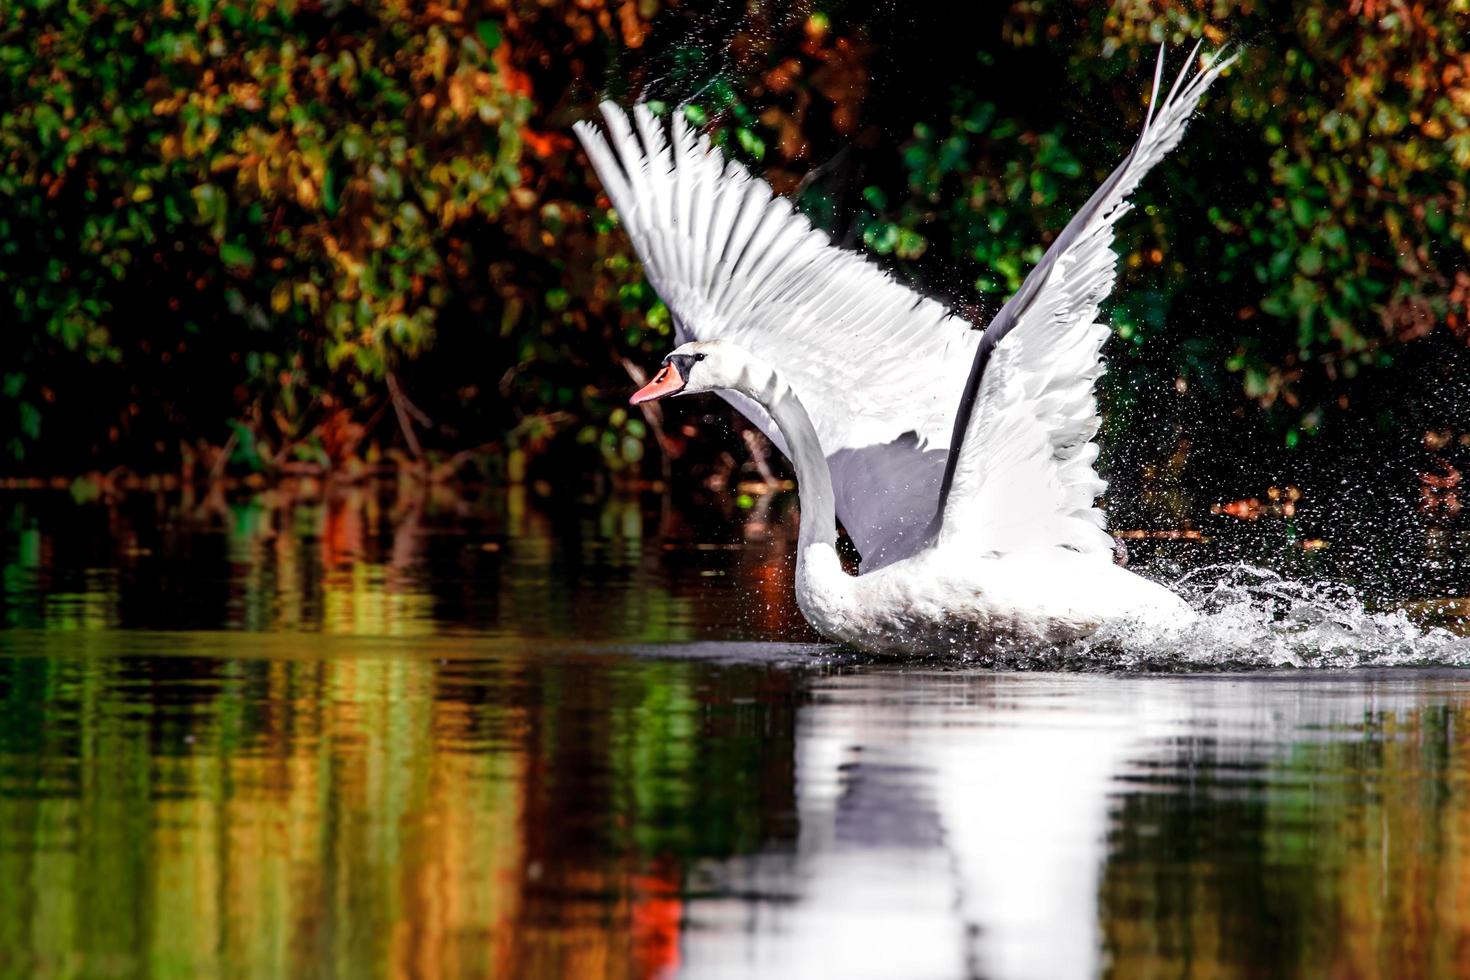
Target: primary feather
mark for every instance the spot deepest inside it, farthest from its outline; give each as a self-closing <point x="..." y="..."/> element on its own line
<point x="1021" y="464"/>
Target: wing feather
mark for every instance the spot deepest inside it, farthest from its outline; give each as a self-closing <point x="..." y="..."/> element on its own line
<point x="877" y="366"/>
<point x="1020" y="473"/>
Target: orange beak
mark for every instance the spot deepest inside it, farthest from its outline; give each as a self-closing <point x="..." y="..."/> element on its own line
<point x="666" y="382"/>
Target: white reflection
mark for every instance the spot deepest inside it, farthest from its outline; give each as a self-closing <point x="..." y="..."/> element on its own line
<point x="956" y="824"/>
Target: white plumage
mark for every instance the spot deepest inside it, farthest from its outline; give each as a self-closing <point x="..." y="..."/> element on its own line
<point x="879" y="367"/>
<point x="872" y="389"/>
<point x="1024" y="475"/>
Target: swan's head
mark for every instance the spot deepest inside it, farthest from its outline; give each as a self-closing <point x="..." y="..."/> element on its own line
<point x="700" y="365"/>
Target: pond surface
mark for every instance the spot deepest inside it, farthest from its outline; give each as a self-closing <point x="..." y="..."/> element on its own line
<point x="272" y="737"/>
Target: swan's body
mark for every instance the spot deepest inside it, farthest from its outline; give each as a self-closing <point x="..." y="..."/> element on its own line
<point x="952" y="594"/>
<point x="960" y="461"/>
<point x="933" y="603"/>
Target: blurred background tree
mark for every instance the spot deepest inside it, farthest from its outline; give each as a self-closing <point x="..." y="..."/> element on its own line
<point x="307" y="235"/>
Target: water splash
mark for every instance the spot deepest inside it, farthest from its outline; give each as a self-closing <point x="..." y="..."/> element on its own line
<point x="1252" y="618"/>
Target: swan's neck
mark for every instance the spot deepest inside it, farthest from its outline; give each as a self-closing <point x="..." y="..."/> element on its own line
<point x="823" y="590"/>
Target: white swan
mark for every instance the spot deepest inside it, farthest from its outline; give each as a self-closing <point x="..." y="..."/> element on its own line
<point x="960" y="461"/>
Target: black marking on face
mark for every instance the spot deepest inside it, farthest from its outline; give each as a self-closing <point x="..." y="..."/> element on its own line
<point x="683" y="363"/>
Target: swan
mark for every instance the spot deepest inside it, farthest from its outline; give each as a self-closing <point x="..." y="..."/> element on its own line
<point x="960" y="461"/>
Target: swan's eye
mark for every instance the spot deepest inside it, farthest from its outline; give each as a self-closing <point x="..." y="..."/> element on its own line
<point x="699" y="357"/>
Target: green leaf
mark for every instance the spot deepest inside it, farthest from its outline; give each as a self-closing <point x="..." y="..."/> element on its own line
<point x="330" y="203"/>
<point x="30" y="421"/>
<point x="490" y="35"/>
<point x="234" y="254"/>
<point x="751" y="143"/>
<point x="881" y="237"/>
<point x="911" y="244"/>
<point x="1309" y="260"/>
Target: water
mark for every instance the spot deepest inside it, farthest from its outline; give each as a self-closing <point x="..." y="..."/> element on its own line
<point x="438" y="736"/>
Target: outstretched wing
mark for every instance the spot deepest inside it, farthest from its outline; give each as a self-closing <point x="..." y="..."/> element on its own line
<point x="1020" y="473"/>
<point x="876" y="365"/>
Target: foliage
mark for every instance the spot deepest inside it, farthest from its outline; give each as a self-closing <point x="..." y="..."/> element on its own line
<point x="1331" y="166"/>
<point x="1352" y="238"/>
<point x="274" y="223"/>
<point x="294" y="181"/>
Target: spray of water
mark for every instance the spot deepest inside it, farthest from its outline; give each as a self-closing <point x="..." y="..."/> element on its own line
<point x="1251" y="618"/>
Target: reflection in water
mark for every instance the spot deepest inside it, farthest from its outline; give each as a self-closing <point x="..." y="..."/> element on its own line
<point x="440" y="738"/>
<point x="420" y="563"/>
<point x="419" y="811"/>
<point x="204" y="804"/>
<point x="1060" y="826"/>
